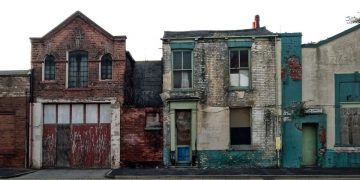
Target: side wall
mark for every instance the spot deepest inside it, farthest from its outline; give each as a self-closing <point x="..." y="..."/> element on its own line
<point x="320" y="63"/>
<point x="13" y="121"/>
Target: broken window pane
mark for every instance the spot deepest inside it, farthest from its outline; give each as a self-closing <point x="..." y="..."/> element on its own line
<point x="239" y="68"/>
<point x="244" y="58"/>
<point x="234" y="59"/>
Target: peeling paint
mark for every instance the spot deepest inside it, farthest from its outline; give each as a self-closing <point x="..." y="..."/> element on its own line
<point x="295" y="68"/>
<point x="49" y="145"/>
<point x="90" y="146"/>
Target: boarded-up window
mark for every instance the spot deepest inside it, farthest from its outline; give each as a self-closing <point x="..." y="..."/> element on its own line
<point x="77" y="114"/>
<point x="152" y="121"/>
<point x="7" y="135"/>
<point x="49" y="114"/>
<point x="91" y="113"/>
<point x="350" y="126"/>
<point x="105" y="113"/>
<point x="63" y="114"/>
<point x="183" y="127"/>
<point x="240" y="126"/>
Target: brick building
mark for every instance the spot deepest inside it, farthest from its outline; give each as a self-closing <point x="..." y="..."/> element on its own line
<point x="220" y="90"/>
<point x="79" y="72"/>
<point x="141" y="122"/>
<point x="14" y="99"/>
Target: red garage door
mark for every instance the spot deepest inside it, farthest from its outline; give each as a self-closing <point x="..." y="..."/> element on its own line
<point x="76" y="135"/>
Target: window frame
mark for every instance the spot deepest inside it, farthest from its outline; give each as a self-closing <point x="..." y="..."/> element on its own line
<point x="78" y="69"/>
<point x="56" y="114"/>
<point x="106" y="61"/>
<point x="248" y="68"/>
<point x="49" y="75"/>
<point x="241" y="146"/>
<point x="182" y="69"/>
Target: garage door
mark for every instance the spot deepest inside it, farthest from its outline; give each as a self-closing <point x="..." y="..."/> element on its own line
<point x="76" y="135"/>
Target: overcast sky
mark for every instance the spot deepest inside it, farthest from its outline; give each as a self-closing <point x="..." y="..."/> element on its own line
<point x="144" y="21"/>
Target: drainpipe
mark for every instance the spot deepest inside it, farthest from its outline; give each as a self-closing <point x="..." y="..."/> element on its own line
<point x="278" y="99"/>
<point x="30" y="119"/>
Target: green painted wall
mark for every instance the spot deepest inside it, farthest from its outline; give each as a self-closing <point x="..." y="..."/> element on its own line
<point x="235" y="158"/>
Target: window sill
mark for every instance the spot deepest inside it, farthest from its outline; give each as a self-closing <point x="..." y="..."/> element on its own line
<point x="78" y="89"/>
<point x="106" y="80"/>
<point x="242" y="148"/>
<point x="233" y="88"/>
<point x="48" y="81"/>
<point x="347" y="145"/>
<point x="152" y="128"/>
<point x="182" y="90"/>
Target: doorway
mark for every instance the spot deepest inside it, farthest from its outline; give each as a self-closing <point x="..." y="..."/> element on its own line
<point x="183" y="137"/>
<point x="309" y="144"/>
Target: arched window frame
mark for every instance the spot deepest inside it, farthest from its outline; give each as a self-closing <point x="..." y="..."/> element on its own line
<point x="78" y="69"/>
<point x="49" y="68"/>
<point x="106" y="67"/>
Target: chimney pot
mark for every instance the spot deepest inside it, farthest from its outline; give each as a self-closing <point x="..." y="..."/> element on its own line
<point x="257" y="21"/>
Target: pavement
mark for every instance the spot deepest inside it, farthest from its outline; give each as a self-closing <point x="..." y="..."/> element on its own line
<point x="184" y="173"/>
<point x="235" y="173"/>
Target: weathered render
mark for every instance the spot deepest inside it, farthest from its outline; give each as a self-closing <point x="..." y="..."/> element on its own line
<point x="209" y="99"/>
<point x="14" y="100"/>
<point x="78" y="81"/>
<point x="331" y="81"/>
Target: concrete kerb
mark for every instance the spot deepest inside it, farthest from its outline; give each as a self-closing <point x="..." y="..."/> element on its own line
<point x="17" y="174"/>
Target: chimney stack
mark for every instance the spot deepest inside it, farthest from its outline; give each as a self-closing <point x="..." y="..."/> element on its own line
<point x="256" y="23"/>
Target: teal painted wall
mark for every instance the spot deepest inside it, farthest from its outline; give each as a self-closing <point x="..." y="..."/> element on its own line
<point x="235" y="158"/>
<point x="291" y="97"/>
<point x="292" y="140"/>
<point x="334" y="159"/>
<point x="290" y="48"/>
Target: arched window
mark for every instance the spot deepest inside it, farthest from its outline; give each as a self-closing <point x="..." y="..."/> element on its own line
<point x="78" y="69"/>
<point x="106" y="67"/>
<point x="49" y="73"/>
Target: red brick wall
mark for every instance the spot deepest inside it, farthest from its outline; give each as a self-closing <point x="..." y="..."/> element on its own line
<point x="140" y="147"/>
<point x="96" y="43"/>
<point x="12" y="131"/>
